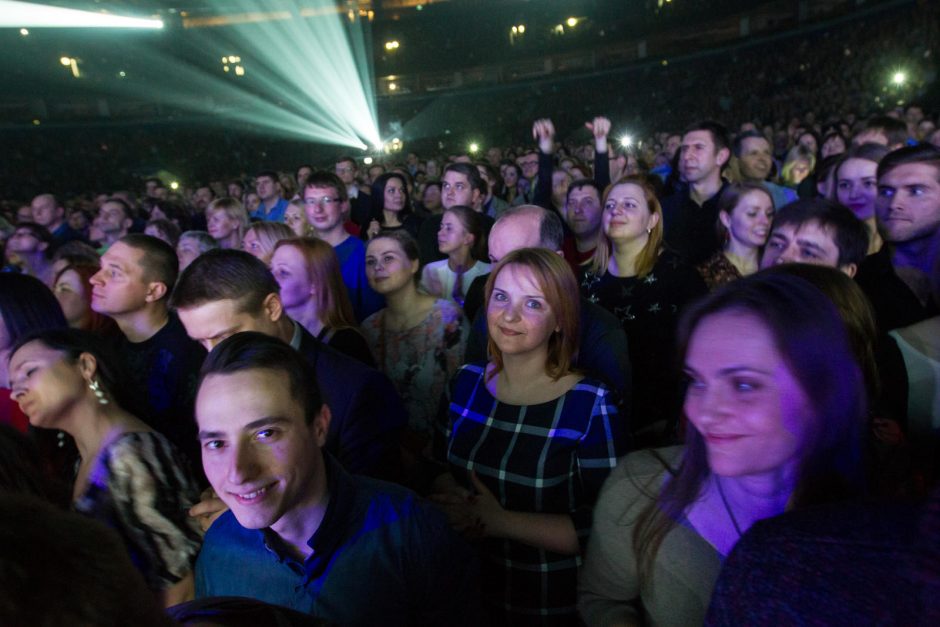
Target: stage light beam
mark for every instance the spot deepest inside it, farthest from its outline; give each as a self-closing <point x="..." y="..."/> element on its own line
<point x="28" y="15"/>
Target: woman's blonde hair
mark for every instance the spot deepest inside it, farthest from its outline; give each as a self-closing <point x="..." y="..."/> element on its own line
<point x="557" y="282"/>
<point x="234" y="209"/>
<point x="654" y="245"/>
<point x="269" y="234"/>
<point x="333" y="305"/>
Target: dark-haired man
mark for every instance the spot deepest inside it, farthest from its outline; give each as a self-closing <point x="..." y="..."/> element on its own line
<point x="28" y="250"/>
<point x="300" y="531"/>
<point x="114" y="220"/>
<point x="360" y="204"/>
<point x="908" y="214"/>
<point x="460" y="185"/>
<point x="272" y="207"/>
<point x="690" y="215"/>
<point x="224" y="292"/>
<point x="817" y="231"/>
<point x="133" y="287"/>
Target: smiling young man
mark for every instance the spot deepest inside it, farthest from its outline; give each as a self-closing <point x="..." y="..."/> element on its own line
<point x="300" y="531"/>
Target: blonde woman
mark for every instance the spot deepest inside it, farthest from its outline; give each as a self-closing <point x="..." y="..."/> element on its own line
<point x="227" y="221"/>
<point x="262" y="237"/>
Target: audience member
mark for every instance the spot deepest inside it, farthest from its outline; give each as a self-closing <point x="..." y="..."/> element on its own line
<point x="462" y="239"/>
<point x="114" y="220"/>
<point x="817" y="231"/>
<point x="391" y="206"/>
<point x="690" y="215"/>
<point x="28" y="251"/>
<point x="745" y="212"/>
<point x="856" y="187"/>
<point x="47" y="211"/>
<point x="128" y="476"/>
<point x="227" y="221"/>
<point x="360" y="205"/>
<point x="163" y="229"/>
<point x="225" y="292"/>
<point x="645" y="284"/>
<point x="313" y="294"/>
<point x="133" y="287"/>
<point x="527" y="428"/>
<point x="295" y="216"/>
<point x="271" y="206"/>
<point x="301" y="531"/>
<point x="73" y="291"/>
<point x="261" y="238"/>
<point x="776" y="409"/>
<point x="192" y="244"/>
<point x="753" y="160"/>
<point x="418" y="340"/>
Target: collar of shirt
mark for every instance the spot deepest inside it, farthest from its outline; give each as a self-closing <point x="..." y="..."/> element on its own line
<point x="332" y="533"/>
<point x="352" y="191"/>
<point x="297" y="336"/>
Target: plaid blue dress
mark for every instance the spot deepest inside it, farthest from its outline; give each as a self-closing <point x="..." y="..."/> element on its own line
<point x="547" y="458"/>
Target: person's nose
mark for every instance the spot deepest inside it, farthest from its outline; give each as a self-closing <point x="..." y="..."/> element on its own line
<point x="243" y="467"/>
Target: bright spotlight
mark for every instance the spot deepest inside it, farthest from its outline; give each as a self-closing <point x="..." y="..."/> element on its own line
<point x="392" y="86"/>
<point x="391" y="45"/>
<point x="572" y="22"/>
<point x="174" y="185"/>
<point x="367" y="160"/>
<point x="24" y="32"/>
<point x="899" y="78"/>
<point x="626" y="141"/>
<point x="474" y="148"/>
<point x="23" y="14"/>
<point x="521" y="28"/>
<point x="66" y="61"/>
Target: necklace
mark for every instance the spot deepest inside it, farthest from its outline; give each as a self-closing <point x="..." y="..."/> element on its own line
<point x="724" y="500"/>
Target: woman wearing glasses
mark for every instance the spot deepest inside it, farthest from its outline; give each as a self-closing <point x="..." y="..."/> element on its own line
<point x="645" y="284"/>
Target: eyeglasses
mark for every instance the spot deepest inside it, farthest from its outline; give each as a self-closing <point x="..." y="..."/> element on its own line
<point x="321" y="200"/>
<point x="340" y="169"/>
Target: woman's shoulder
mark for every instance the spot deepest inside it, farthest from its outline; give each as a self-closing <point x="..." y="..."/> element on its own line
<point x="639" y="476"/>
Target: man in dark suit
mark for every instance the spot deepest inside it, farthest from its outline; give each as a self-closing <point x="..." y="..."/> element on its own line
<point x="224" y="292"/>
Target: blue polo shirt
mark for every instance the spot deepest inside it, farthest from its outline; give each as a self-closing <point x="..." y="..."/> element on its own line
<point x="275" y="215"/>
<point x="352" y="262"/>
<point x="381" y="556"/>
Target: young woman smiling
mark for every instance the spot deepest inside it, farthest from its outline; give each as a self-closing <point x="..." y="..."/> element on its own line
<point x="528" y="443"/>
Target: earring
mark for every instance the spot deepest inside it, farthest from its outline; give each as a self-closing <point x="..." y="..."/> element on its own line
<point x="99" y="393"/>
<point x="648" y="230"/>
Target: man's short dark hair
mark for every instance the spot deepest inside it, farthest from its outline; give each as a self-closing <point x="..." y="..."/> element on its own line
<point x="250" y="350"/>
<point x="159" y="262"/>
<point x="738" y="144"/>
<point x="849" y="233"/>
<point x="126" y="208"/>
<point x="470" y="171"/>
<point x="921" y="153"/>
<point x="322" y="178"/>
<point x="347" y="158"/>
<point x="895" y="130"/>
<point x="271" y="174"/>
<point x="36" y="230"/>
<point x="227" y="274"/>
<point x="718" y="132"/>
<point x="580" y="184"/>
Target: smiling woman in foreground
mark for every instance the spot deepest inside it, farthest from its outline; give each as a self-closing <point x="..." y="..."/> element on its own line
<point x="775" y="408"/>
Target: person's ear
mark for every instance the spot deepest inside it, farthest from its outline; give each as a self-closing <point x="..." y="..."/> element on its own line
<point x="88" y="366"/>
<point x="849" y="269"/>
<point x="155" y="291"/>
<point x="321" y="424"/>
<point x="273" y="307"/>
<point x="722" y="157"/>
<point x="654" y="220"/>
<point x="725" y="219"/>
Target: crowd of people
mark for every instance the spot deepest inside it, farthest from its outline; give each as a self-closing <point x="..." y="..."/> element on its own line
<point x="559" y="383"/>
